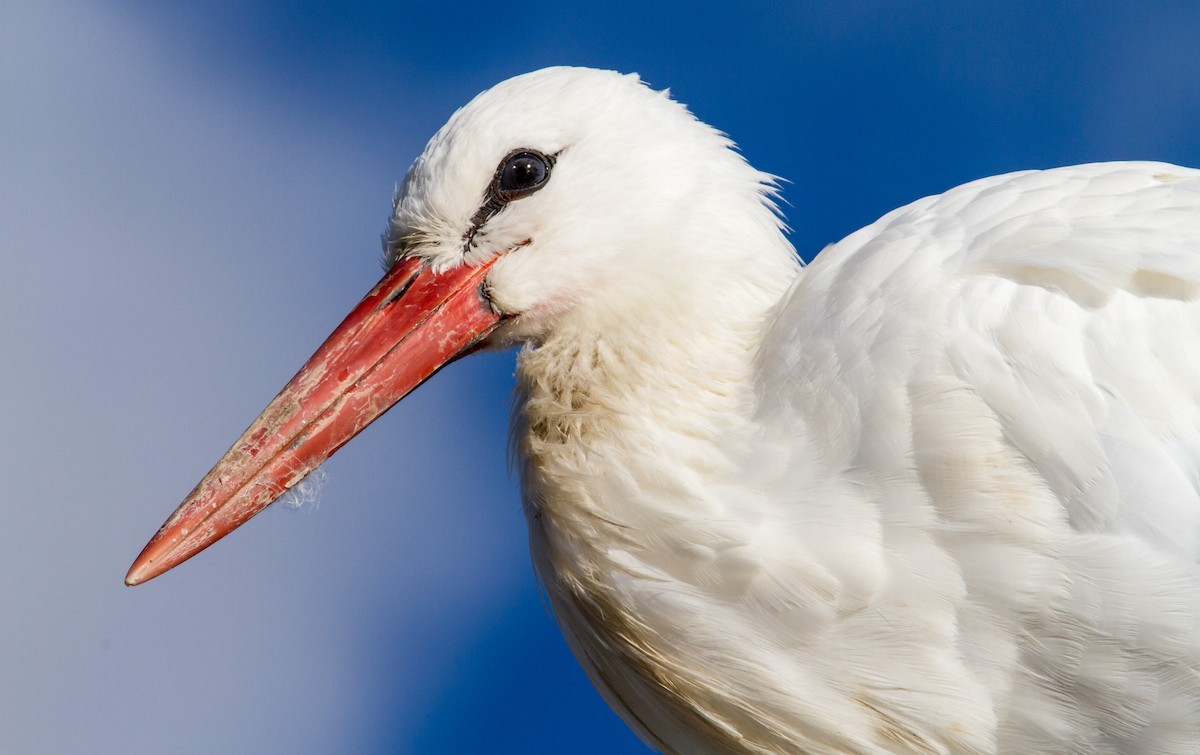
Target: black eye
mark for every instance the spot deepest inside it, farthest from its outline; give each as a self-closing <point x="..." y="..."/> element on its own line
<point x="521" y="174"/>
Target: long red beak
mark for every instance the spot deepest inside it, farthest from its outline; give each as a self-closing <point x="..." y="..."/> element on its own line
<point x="410" y="325"/>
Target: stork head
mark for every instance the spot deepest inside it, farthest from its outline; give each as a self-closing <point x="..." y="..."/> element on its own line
<point x="563" y="193"/>
<point x="580" y="185"/>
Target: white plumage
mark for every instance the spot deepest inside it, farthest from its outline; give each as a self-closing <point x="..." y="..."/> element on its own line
<point x="938" y="492"/>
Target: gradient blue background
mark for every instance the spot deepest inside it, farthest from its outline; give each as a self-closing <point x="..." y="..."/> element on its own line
<point x="191" y="198"/>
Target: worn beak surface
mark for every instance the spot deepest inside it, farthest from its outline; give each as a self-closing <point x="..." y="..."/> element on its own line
<point x="410" y="325"/>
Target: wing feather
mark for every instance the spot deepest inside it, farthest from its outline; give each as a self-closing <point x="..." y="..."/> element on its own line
<point x="1008" y="376"/>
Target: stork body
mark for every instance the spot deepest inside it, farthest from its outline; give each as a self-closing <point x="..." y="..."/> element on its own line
<point x="939" y="491"/>
<point x="945" y="499"/>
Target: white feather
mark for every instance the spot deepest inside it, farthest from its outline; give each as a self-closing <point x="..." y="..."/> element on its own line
<point x="937" y="492"/>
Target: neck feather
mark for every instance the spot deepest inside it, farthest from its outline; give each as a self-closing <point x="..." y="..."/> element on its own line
<point x="631" y="415"/>
<point x="633" y="420"/>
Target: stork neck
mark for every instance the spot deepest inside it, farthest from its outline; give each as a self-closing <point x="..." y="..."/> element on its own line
<point x="634" y="420"/>
<point x="636" y="414"/>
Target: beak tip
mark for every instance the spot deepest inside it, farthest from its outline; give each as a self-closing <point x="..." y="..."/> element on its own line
<point x="137" y="575"/>
<point x="145" y="568"/>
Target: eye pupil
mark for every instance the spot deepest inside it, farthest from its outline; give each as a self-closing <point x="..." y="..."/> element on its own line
<point x="523" y="173"/>
<point x="520" y="174"/>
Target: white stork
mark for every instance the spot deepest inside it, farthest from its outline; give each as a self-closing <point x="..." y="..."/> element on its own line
<point x="936" y="492"/>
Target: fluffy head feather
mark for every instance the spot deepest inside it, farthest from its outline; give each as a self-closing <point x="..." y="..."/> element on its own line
<point x="640" y="194"/>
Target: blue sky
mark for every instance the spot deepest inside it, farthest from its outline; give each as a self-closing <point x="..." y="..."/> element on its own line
<point x="192" y="198"/>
